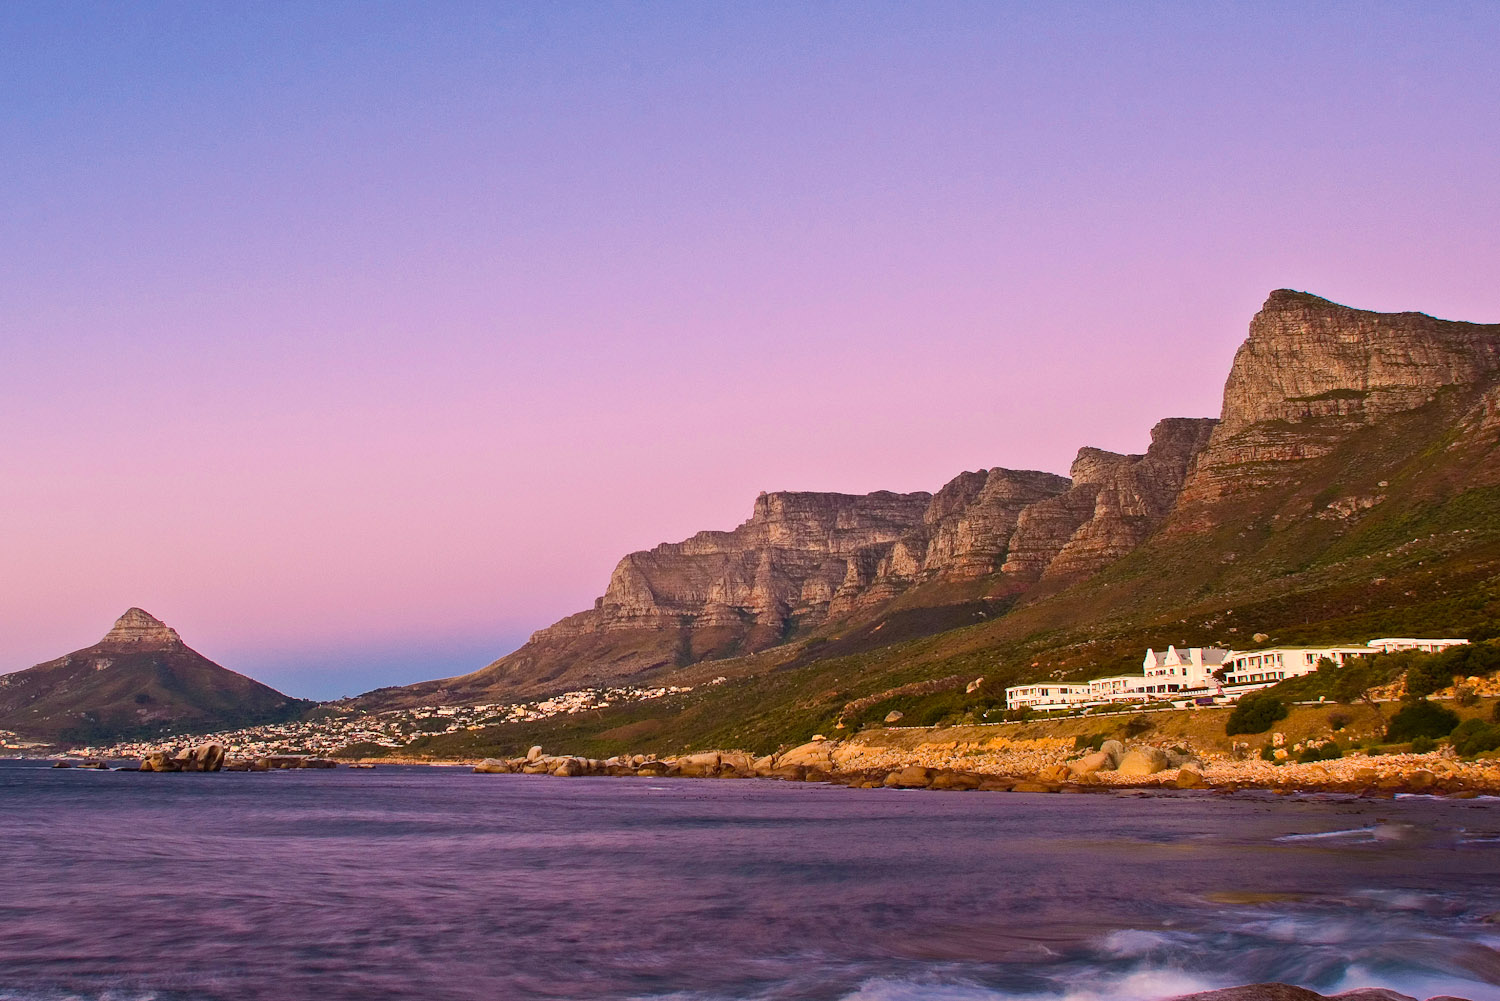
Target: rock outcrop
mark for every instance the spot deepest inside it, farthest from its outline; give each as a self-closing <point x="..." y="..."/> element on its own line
<point x="1311" y="374"/>
<point x="139" y="629"/>
<point x="793" y="555"/>
<point x="1115" y="502"/>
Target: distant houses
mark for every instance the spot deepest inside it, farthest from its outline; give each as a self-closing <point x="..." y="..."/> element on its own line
<point x="1204" y="675"/>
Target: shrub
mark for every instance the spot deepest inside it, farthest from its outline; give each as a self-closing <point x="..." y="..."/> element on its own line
<point x="1138" y="725"/>
<point x="1254" y="714"/>
<point x="1465" y="695"/>
<point x="1474" y="736"/>
<point x="1426" y="676"/>
<point x="1338" y="720"/>
<point x="1089" y="741"/>
<point x="1268" y="753"/>
<point x="1326" y="752"/>
<point x="1421" y="719"/>
<point x="1422" y="745"/>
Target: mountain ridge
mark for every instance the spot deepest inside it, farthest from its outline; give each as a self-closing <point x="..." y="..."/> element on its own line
<point x="1310" y="377"/>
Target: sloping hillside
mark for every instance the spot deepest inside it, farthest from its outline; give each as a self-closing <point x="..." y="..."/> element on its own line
<point x="140" y="680"/>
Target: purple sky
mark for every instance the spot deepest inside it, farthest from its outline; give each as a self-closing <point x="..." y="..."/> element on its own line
<point x="358" y="341"/>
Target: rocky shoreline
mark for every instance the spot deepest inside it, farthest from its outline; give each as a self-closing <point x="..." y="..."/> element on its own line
<point x="1042" y="766"/>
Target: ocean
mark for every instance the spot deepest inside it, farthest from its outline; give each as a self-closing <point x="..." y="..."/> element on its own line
<point x="435" y="884"/>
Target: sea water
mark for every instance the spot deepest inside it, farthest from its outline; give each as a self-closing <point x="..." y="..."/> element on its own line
<point x="435" y="883"/>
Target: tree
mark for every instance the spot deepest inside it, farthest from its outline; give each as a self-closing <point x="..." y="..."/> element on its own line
<point x="1426" y="676"/>
<point x="1421" y="719"/>
<point x="1255" y="714"/>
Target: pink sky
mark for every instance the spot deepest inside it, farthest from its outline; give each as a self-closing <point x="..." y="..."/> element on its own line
<point x="357" y="352"/>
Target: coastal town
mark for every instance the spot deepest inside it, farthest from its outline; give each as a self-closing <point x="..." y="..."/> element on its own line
<point x="342" y="726"/>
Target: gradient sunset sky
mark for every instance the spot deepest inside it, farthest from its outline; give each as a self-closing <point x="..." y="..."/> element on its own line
<point x="357" y="341"/>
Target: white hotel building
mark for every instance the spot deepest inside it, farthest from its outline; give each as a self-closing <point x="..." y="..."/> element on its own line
<point x="1183" y="676"/>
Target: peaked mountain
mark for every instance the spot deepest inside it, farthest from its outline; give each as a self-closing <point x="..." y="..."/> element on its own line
<point x="140" y="680"/>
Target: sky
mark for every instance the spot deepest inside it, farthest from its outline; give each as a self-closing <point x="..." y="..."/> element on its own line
<point x="358" y="341"/>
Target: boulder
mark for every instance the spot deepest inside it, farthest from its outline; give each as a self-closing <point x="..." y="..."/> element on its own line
<point x="1114" y="749"/>
<point x="159" y="761"/>
<point x="788" y="773"/>
<point x="699" y="766"/>
<point x="492" y="766"/>
<point x="1099" y="761"/>
<point x="950" y="779"/>
<point x="1053" y="773"/>
<point x="207" y="757"/>
<point x="535" y="753"/>
<point x="1028" y="786"/>
<point x="895" y="716"/>
<point x="652" y="769"/>
<point x="735" y="764"/>
<point x="568" y="768"/>
<point x="1143" y="761"/>
<point x="1420" y="780"/>
<point x="910" y="777"/>
<point x="1189" y="777"/>
<point x="817" y="753"/>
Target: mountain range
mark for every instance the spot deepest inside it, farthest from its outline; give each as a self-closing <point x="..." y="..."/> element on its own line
<point x="1344" y="434"/>
<point x="1349" y="487"/>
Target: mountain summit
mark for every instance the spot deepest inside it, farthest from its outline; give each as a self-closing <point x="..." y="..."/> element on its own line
<point x="141" y="630"/>
<point x="140" y="680"/>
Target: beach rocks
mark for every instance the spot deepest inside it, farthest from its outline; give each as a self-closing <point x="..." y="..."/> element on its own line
<point x="814" y="754"/>
<point x="207" y="757"/>
<point x="493" y="766"/>
<point x="1143" y="761"/>
<point x="698" y="766"/>
<point x="1054" y="773"/>
<point x="1189" y="777"/>
<point x="910" y="777"/>
<point x="1090" y="763"/>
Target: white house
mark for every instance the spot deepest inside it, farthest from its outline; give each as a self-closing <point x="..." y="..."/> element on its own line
<point x="1391" y="645"/>
<point x="1181" y="670"/>
<point x="1047" y="695"/>
<point x="1266" y="667"/>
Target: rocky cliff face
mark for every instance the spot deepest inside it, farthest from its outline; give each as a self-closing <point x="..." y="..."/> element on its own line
<point x="791" y="557"/>
<point x="1310" y="374"/>
<point x="803" y="558"/>
<point x="140" y="630"/>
